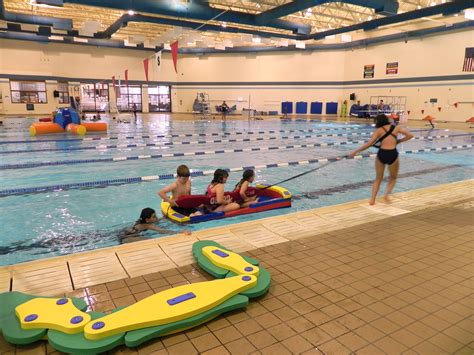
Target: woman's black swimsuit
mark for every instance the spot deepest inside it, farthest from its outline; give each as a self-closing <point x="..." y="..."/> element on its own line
<point x="386" y="156"/>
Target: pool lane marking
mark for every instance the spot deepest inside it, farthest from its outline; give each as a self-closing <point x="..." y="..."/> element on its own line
<point x="188" y="135"/>
<point x="166" y="144"/>
<point x="30" y="165"/>
<point x="184" y="135"/>
<point x="170" y="155"/>
<point x="198" y="173"/>
<point x="235" y="140"/>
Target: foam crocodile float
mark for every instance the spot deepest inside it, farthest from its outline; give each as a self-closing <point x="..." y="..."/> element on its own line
<point x="65" y="324"/>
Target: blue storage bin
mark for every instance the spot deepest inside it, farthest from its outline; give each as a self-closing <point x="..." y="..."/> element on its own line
<point x="287" y="107"/>
<point x="316" y="108"/>
<point x="331" y="108"/>
<point x="302" y="107"/>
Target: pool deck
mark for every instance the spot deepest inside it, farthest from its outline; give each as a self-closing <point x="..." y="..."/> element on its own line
<point x="348" y="278"/>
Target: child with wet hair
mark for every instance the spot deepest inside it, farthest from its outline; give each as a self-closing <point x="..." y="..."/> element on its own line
<point x="243" y="188"/>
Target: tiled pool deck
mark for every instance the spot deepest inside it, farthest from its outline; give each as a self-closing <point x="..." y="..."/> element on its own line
<point x="350" y="278"/>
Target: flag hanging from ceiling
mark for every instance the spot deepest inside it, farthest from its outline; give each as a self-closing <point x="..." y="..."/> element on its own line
<point x="145" y="67"/>
<point x="469" y="60"/>
<point x="126" y="77"/>
<point x="174" y="54"/>
<point x="158" y="60"/>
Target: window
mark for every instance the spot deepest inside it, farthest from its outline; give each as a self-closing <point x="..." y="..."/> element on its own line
<point x="129" y="96"/>
<point x="29" y="92"/>
<point x="95" y="97"/>
<point x="159" y="99"/>
<point x="63" y="89"/>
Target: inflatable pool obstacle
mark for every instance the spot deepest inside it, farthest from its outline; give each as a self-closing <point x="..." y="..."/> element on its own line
<point x="66" y="120"/>
<point x="65" y="324"/>
<point x="269" y="198"/>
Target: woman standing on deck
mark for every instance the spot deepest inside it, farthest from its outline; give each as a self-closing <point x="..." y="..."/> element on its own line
<point x="385" y="139"/>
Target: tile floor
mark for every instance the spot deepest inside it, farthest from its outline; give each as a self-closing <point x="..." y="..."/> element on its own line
<point x="398" y="284"/>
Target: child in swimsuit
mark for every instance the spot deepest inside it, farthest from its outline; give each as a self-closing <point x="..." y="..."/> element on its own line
<point x="182" y="186"/>
<point x="215" y="190"/>
<point x="146" y="222"/>
<point x="385" y="139"/>
<point x="242" y="187"/>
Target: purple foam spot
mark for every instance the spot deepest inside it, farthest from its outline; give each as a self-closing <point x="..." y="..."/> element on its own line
<point x="62" y="301"/>
<point x="76" y="319"/>
<point x="98" y="325"/>
<point x="246" y="278"/>
<point x="31" y="317"/>
<point x="220" y="253"/>
<point x="248" y="268"/>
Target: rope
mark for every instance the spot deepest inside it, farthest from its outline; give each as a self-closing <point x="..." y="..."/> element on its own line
<point x="102" y="183"/>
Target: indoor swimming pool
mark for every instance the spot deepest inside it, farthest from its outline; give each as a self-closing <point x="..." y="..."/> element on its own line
<point x="62" y="194"/>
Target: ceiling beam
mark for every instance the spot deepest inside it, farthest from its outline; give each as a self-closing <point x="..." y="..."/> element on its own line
<point x="445" y="9"/>
<point x="126" y="18"/>
<point x="58" y="23"/>
<point x="192" y="10"/>
<point x="383" y="7"/>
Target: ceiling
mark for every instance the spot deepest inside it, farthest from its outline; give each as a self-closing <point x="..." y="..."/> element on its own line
<point x="90" y="20"/>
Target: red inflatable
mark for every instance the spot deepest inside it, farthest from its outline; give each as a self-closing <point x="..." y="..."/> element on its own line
<point x="194" y="201"/>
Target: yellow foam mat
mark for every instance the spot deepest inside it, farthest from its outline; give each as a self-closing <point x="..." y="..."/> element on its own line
<point x="52" y="313"/>
<point x="229" y="260"/>
<point x="169" y="306"/>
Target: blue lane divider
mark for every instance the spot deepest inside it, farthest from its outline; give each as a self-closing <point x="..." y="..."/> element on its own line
<point x="235" y="140"/>
<point x="186" y="135"/>
<point x="134" y="180"/>
<point x="170" y="155"/>
<point x="30" y="165"/>
<point x="143" y="145"/>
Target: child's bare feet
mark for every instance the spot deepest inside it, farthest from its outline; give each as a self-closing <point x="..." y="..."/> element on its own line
<point x="387" y="199"/>
<point x="371" y="202"/>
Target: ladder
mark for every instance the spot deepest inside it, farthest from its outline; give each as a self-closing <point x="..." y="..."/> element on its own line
<point x="204" y="105"/>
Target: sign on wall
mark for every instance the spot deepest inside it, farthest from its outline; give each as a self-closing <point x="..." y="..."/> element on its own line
<point x="391" y="68"/>
<point x="369" y="71"/>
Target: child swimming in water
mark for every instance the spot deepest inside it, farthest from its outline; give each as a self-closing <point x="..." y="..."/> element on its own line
<point x="146" y="222"/>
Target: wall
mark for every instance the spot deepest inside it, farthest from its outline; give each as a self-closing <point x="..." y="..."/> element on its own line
<point x="423" y="57"/>
<point x="266" y="79"/>
<point x="242" y="75"/>
<point x="71" y="61"/>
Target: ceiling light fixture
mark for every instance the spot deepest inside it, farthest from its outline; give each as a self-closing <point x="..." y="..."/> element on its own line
<point x="40" y="4"/>
<point x="224" y="24"/>
<point x="433" y="3"/>
<point x="131" y="12"/>
<point x="369" y="18"/>
<point x="469" y="14"/>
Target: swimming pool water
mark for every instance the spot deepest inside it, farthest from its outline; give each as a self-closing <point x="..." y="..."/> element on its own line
<point x="62" y="222"/>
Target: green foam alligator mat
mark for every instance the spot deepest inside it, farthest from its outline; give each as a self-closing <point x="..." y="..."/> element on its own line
<point x="63" y="322"/>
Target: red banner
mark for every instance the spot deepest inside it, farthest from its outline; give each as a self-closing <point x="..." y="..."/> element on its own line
<point x="113" y="82"/>
<point x="126" y="77"/>
<point x="145" y="67"/>
<point x="174" y="54"/>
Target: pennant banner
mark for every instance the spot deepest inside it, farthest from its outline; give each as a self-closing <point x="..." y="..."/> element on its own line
<point x="113" y="82"/>
<point x="158" y="60"/>
<point x="145" y="67"/>
<point x="174" y="54"/>
<point x="126" y="77"/>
